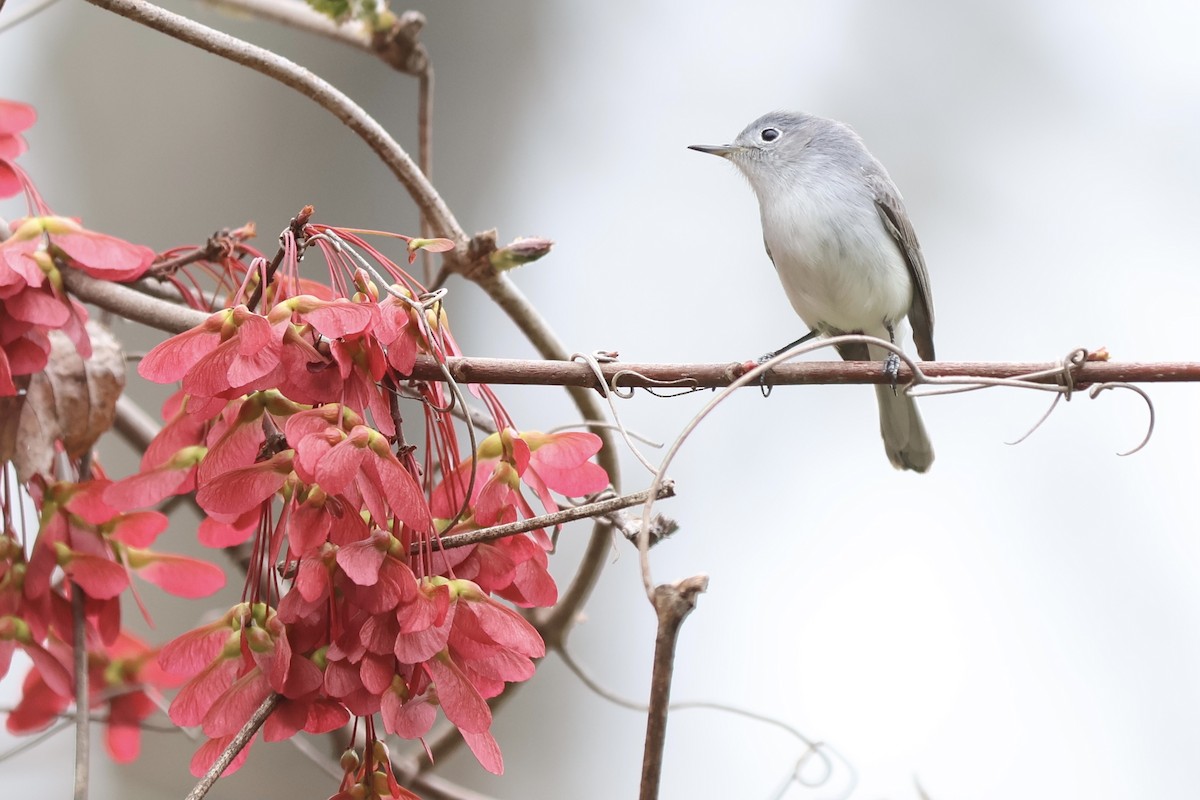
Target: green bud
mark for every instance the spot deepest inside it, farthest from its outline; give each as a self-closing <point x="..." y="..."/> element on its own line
<point x="350" y="761"/>
<point x="520" y="251"/>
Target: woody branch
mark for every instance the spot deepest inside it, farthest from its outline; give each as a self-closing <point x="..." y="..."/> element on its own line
<point x="171" y="318"/>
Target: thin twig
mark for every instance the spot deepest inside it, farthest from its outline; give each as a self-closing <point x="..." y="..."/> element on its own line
<point x="612" y="394"/>
<point x="597" y="509"/>
<point x="320" y="91"/>
<point x="67" y="721"/>
<point x="239" y="742"/>
<point x="672" y="603"/>
<point x="296" y="229"/>
<point x="17" y="17"/>
<point x="812" y="749"/>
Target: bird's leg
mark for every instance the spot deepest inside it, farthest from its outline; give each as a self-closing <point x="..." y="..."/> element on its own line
<point x="806" y="337"/>
<point x="891" y="364"/>
<point x="762" y="381"/>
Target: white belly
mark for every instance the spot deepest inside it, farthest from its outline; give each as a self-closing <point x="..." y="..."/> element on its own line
<point x="847" y="274"/>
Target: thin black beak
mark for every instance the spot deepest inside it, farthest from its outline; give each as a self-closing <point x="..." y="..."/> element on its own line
<point x="721" y="150"/>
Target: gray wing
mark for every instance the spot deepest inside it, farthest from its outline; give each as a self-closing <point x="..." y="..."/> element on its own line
<point x="895" y="219"/>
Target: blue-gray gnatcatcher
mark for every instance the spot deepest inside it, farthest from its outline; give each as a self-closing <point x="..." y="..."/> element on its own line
<point x="836" y="229"/>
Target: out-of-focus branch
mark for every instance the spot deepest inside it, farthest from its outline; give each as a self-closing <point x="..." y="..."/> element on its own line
<point x="396" y="45"/>
<point x="82" y="695"/>
<point x="134" y="425"/>
<point x="320" y="91"/>
<point x="434" y="787"/>
<point x="20" y="15"/>
<point x="425" y="155"/>
<point x="131" y="304"/>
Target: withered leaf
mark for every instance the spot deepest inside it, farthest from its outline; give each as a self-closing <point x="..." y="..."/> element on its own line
<point x="72" y="401"/>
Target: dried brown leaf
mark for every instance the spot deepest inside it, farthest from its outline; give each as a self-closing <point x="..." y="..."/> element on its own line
<point x="72" y="401"/>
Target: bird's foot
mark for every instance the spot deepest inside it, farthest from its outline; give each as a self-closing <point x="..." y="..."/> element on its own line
<point x="764" y="385"/>
<point x="891" y="368"/>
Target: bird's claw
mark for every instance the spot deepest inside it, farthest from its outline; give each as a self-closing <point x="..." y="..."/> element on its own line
<point x="763" y="384"/>
<point x="891" y="368"/>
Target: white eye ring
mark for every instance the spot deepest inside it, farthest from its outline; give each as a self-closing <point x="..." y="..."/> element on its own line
<point x="769" y="134"/>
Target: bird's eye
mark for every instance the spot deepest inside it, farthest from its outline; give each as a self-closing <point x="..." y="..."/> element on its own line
<point x="768" y="134"/>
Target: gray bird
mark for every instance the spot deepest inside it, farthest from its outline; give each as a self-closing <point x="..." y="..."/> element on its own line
<point x="837" y="232"/>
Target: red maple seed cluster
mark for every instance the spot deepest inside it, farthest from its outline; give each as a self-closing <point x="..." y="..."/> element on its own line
<point x="288" y="429"/>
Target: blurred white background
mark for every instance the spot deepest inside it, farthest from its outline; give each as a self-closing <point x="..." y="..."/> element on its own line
<point x="1021" y="622"/>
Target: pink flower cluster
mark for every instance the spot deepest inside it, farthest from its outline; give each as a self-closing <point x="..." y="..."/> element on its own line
<point x="288" y="429"/>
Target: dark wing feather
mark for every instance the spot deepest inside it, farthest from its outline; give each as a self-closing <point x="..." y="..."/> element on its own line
<point x="895" y="219"/>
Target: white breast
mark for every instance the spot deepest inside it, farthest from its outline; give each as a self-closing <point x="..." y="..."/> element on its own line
<point x="838" y="265"/>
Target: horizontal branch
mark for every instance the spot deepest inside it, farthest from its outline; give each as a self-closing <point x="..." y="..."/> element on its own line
<point x="711" y="376"/>
<point x="173" y="318"/>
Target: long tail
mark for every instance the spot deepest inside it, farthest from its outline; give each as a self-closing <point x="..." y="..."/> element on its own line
<point x="904" y="437"/>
